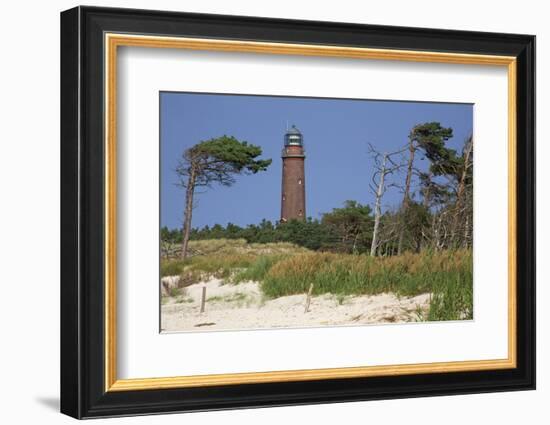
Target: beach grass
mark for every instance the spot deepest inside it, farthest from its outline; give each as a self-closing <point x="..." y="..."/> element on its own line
<point x="447" y="275"/>
<point x="284" y="269"/>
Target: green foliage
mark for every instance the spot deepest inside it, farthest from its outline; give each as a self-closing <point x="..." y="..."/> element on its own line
<point x="171" y="267"/>
<point x="258" y="269"/>
<point x="453" y="301"/>
<point x="311" y="234"/>
<point x="225" y="258"/>
<point x="211" y="161"/>
<point x="446" y="275"/>
<point x="190" y="276"/>
<point x="240" y="156"/>
<point x="346" y="229"/>
<point x="352" y="225"/>
<point x="417" y="217"/>
<point x="330" y="252"/>
<point x="174" y="292"/>
<point x="444" y="161"/>
<point x="217" y="246"/>
<point x="340" y="298"/>
<point x="170" y="235"/>
<point x="221" y="266"/>
<point x="239" y="299"/>
<point x="218" y="160"/>
<point x="182" y="300"/>
<point x="284" y="269"/>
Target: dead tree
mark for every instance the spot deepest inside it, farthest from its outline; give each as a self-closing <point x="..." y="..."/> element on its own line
<point x="462" y="210"/>
<point x="384" y="166"/>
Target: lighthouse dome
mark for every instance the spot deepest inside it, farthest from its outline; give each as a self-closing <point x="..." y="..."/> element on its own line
<point x="293" y="137"/>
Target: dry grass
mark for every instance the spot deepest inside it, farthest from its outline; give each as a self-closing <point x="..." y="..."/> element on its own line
<point x="285" y="269"/>
<point x="234" y="246"/>
<point x="447" y="275"/>
<point x="225" y="258"/>
<point x="408" y="274"/>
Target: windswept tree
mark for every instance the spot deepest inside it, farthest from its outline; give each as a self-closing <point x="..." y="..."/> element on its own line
<point x="427" y="135"/>
<point x="214" y="161"/>
<point x="457" y="171"/>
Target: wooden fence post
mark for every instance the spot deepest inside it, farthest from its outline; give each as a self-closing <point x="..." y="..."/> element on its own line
<point x="308" y="299"/>
<point x="203" y="298"/>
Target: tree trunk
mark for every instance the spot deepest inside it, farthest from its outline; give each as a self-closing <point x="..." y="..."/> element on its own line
<point x="188" y="212"/>
<point x="466" y="241"/>
<point x="377" y="208"/>
<point x="460" y="192"/>
<point x="406" y="197"/>
<point x="427" y="191"/>
<point x="427" y="195"/>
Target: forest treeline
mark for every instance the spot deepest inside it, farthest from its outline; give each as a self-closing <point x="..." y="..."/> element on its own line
<point x="435" y="211"/>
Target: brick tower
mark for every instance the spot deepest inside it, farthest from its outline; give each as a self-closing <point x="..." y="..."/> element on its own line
<point x="293" y="196"/>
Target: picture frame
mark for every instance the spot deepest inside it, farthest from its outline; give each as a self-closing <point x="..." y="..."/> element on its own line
<point x="90" y="40"/>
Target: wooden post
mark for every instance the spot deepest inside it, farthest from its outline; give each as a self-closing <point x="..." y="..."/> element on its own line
<point x="308" y="299"/>
<point x="203" y="298"/>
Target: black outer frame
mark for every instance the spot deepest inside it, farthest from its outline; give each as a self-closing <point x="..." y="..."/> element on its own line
<point x="82" y="204"/>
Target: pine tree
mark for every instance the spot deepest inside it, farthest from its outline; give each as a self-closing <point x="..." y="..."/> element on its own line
<point x="212" y="161"/>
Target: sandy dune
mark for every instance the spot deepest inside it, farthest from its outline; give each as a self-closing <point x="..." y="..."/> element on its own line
<point x="231" y="307"/>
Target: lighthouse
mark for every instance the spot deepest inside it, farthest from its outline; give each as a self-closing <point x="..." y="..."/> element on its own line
<point x="293" y="193"/>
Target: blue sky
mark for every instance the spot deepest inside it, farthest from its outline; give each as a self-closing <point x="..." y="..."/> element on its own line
<point x="336" y="133"/>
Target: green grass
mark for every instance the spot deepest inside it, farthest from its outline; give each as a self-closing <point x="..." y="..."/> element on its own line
<point x="171" y="267"/>
<point x="234" y="246"/>
<point x="222" y="258"/>
<point x="221" y="266"/>
<point x="258" y="270"/>
<point x="452" y="301"/>
<point x="340" y="299"/>
<point x="181" y="300"/>
<point x="174" y="292"/>
<point x="284" y="269"/>
<point x="215" y="299"/>
<point x="238" y="298"/>
<point x="446" y="275"/>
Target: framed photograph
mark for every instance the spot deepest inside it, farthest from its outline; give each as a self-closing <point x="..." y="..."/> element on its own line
<point x="261" y="212"/>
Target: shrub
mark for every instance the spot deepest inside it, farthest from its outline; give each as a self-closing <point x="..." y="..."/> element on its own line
<point x="171" y="267"/>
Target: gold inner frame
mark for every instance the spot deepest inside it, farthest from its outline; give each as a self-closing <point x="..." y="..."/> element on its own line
<point x="113" y="41"/>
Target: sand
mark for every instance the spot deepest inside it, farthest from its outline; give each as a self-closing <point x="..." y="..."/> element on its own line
<point x="242" y="306"/>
